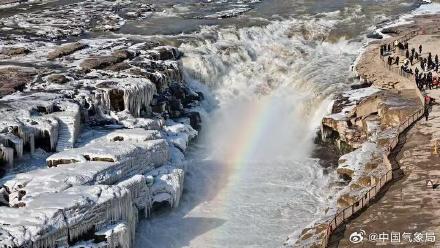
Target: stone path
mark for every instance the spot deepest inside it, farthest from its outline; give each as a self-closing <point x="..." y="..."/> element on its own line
<point x="408" y="205"/>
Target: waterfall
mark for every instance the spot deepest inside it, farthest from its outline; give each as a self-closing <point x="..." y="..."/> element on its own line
<point x="252" y="175"/>
<point x="285" y="72"/>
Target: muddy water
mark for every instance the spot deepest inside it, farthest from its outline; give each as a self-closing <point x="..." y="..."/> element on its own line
<point x="269" y="74"/>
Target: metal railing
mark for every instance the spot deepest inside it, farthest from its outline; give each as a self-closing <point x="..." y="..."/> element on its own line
<point x="344" y="214"/>
<point x="398" y="70"/>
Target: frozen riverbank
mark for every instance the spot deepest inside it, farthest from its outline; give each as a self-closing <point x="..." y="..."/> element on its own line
<point x="250" y="179"/>
<point x="367" y="123"/>
<point x="93" y="133"/>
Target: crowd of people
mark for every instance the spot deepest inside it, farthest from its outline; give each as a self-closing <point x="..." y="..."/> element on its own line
<point x="423" y="73"/>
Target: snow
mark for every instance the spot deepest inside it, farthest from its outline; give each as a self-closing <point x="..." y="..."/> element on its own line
<point x="353" y="98"/>
<point x="357" y="160"/>
<point x="358" y="94"/>
<point x="168" y="185"/>
<point x="179" y="134"/>
<point x="74" y="189"/>
<point x="108" y="157"/>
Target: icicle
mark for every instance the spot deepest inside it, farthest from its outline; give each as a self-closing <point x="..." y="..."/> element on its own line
<point x="8" y="155"/>
<point x="18" y="144"/>
<point x="28" y="138"/>
<point x="138" y="96"/>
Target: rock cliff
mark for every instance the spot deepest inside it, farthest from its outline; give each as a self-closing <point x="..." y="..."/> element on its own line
<point x="93" y="131"/>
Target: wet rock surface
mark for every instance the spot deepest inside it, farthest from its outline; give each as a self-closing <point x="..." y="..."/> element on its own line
<point x="80" y="18"/>
<point x="93" y="130"/>
<point x="14" y="78"/>
<point x="365" y="124"/>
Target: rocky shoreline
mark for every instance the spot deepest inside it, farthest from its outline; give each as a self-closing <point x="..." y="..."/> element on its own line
<point x="365" y="124"/>
<point x="93" y="130"/>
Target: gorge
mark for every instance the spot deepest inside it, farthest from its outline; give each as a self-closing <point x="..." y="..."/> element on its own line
<point x="101" y="99"/>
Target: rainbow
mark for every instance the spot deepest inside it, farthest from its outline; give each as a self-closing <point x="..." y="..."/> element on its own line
<point x="247" y="135"/>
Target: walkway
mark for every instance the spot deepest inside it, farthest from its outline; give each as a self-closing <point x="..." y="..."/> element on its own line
<point x="408" y="209"/>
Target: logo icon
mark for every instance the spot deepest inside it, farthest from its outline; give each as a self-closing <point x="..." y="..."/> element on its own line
<point x="357" y="237"/>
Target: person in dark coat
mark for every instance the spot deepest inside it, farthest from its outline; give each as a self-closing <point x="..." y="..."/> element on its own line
<point x="417" y="71"/>
<point x="390" y="61"/>
<point x="418" y="81"/>
<point x="413" y="51"/>
<point x="426" y="112"/>
<point x="430" y="60"/>
<point x="436" y="59"/>
<point x="429" y="79"/>
<point x="416" y="56"/>
<point x="381" y="50"/>
<point x="397" y="60"/>
<point x="407" y="54"/>
<point x="420" y="49"/>
<point x="424" y="81"/>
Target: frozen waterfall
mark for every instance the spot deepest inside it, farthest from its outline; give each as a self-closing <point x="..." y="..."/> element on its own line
<point x="251" y="181"/>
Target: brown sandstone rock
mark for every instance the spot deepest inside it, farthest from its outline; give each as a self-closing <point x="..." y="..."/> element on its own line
<point x="14" y="78"/>
<point x="57" y="79"/>
<point x="101" y="62"/>
<point x="346" y="200"/>
<point x="65" y="49"/>
<point x="119" y="67"/>
<point x="13" y="51"/>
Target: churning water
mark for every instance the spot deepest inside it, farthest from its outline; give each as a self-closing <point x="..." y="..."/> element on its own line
<point x="250" y="178"/>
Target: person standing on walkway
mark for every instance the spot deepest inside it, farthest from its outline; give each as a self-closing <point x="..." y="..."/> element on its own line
<point x="430" y="80"/>
<point x="397" y="60"/>
<point x="407" y="54"/>
<point x="420" y="49"/>
<point x="430" y="61"/>
<point x="436" y="59"/>
<point x="418" y="82"/>
<point x="425" y="86"/>
<point x="426" y="110"/>
<point x="413" y="51"/>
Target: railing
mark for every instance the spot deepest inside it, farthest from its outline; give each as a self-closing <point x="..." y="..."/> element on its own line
<point x="402" y="39"/>
<point x="398" y="70"/>
<point x="343" y="215"/>
<point x="346" y="213"/>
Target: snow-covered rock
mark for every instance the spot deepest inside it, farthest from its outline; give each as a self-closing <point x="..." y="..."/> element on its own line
<point x="111" y="118"/>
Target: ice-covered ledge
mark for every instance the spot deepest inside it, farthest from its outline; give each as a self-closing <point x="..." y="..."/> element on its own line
<point x="81" y="192"/>
<point x="365" y="124"/>
<point x="112" y="125"/>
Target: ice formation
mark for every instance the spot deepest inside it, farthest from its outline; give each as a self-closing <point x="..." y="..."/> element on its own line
<point x="111" y="117"/>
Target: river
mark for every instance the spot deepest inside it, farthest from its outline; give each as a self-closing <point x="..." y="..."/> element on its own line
<point x="269" y="75"/>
